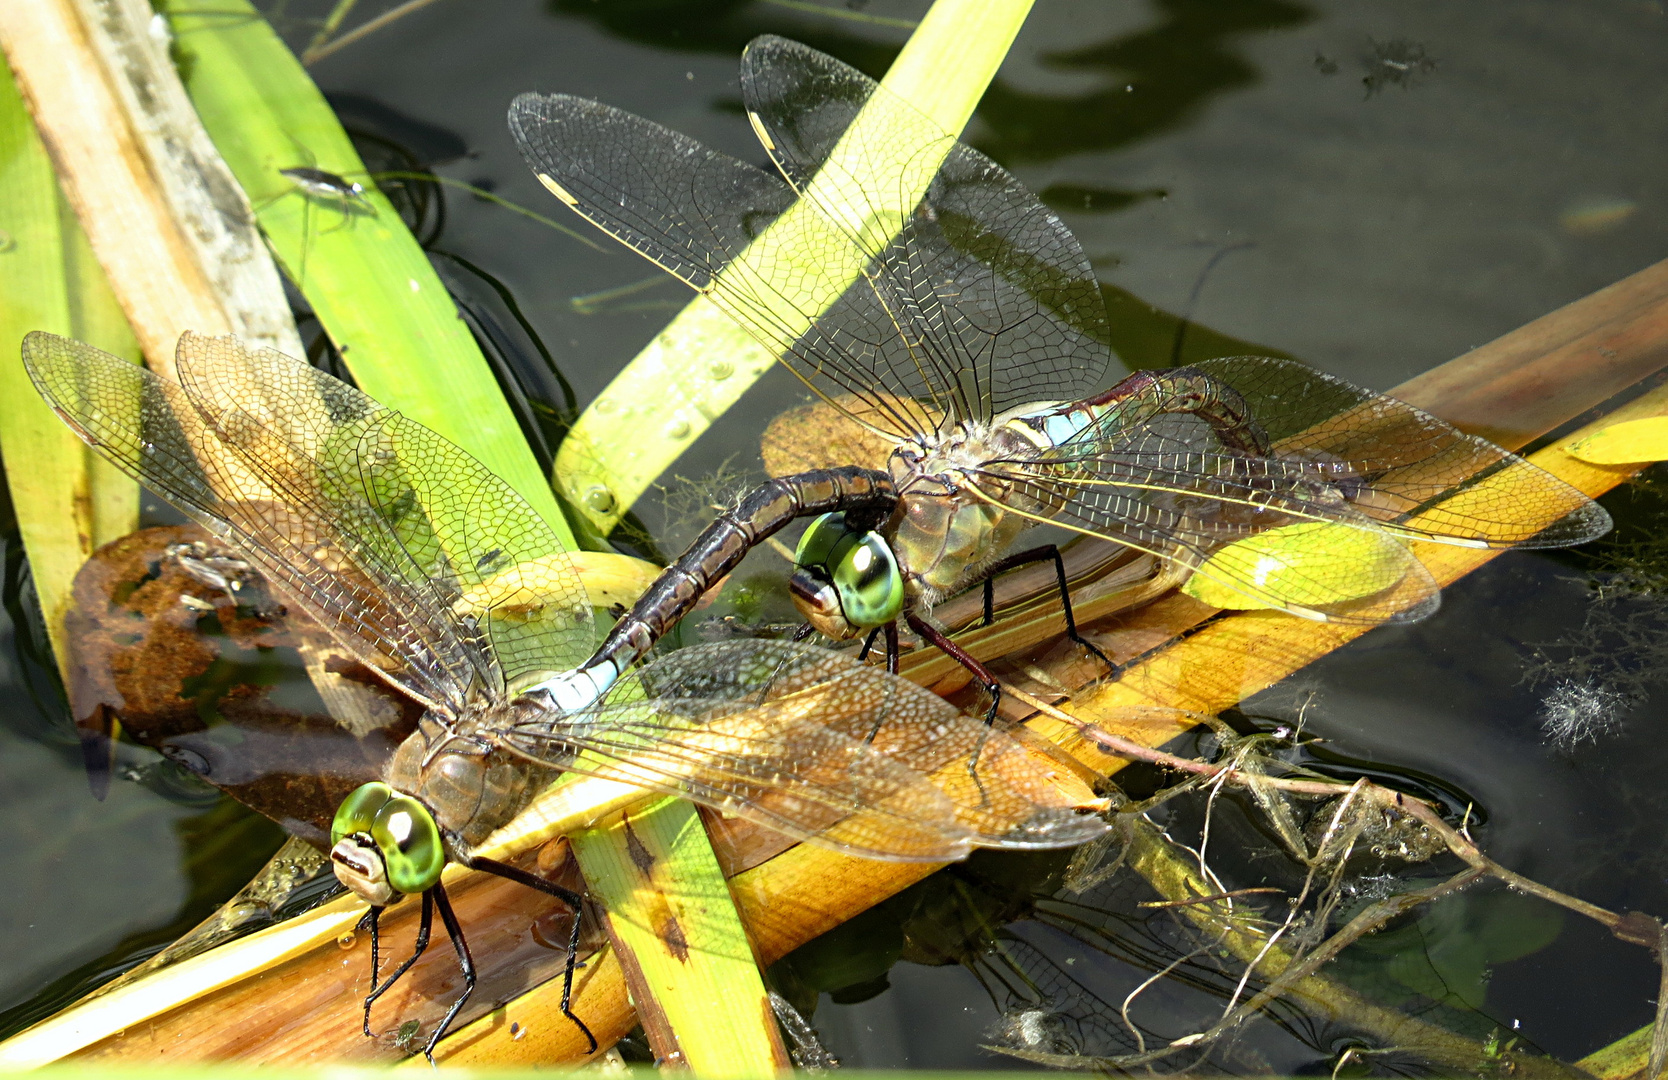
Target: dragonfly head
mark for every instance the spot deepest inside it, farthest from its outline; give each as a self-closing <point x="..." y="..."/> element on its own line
<point x="385" y="845"/>
<point x="845" y="579"/>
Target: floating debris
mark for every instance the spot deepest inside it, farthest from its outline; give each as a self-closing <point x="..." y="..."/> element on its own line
<point x="1575" y="713"/>
<point x="1397" y="62"/>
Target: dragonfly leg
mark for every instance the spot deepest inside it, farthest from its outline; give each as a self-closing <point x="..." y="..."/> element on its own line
<point x="891" y="632"/>
<point x="423" y="927"/>
<point x="805" y="630"/>
<point x="934" y="636"/>
<point x="465" y="962"/>
<point x="572" y="900"/>
<point x="1045" y="553"/>
<point x="868" y="643"/>
<point x="369" y="925"/>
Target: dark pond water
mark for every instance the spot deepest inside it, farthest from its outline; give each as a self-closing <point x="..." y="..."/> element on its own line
<point x="1372" y="188"/>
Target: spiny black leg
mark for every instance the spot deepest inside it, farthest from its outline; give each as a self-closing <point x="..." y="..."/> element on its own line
<point x="567" y="981"/>
<point x="891" y="631"/>
<point x="423" y="927"/>
<point x="1065" y="607"/>
<point x="961" y="656"/>
<point x="869" y="643"/>
<point x="1046" y="553"/>
<point x="805" y="630"/>
<point x="369" y="924"/>
<point x="982" y="674"/>
<point x="566" y="896"/>
<point x="522" y="877"/>
<point x="465" y="961"/>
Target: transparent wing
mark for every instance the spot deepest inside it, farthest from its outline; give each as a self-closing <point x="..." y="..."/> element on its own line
<point x="981" y="300"/>
<point x="1392" y="460"/>
<point x="149" y="428"/>
<point x="452" y="531"/>
<point x="303" y="520"/>
<point x="813" y="744"/>
<point x="1154" y="476"/>
<point x="992" y="300"/>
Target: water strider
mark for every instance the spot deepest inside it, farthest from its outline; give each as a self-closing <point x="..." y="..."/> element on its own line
<point x="327" y="185"/>
<point x="966" y="327"/>
<point x="432" y="572"/>
<point x="315" y="185"/>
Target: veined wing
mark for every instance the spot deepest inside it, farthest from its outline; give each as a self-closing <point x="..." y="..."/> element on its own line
<point x="1392" y="460"/>
<point x="454" y="535"/>
<point x="300" y="524"/>
<point x="1204" y="510"/>
<point x="1158" y="480"/>
<point x="918" y="323"/>
<point x="815" y="745"/>
<point x="996" y="303"/>
<point x="152" y="430"/>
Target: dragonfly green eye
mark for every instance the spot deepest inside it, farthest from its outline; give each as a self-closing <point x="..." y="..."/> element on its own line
<point x="409" y="840"/>
<point x="845" y="580"/>
<point x="871" y="589"/>
<point x="358" y="811"/>
<point x="405" y="854"/>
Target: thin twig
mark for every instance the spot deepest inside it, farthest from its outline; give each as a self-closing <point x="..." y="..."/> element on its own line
<point x="332" y="22"/>
<point x="1635" y="927"/>
<point x="1211" y="899"/>
<point x="313" y="56"/>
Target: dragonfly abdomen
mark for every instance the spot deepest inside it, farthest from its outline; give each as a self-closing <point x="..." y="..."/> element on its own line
<point x="1144" y="395"/>
<point x="764" y="511"/>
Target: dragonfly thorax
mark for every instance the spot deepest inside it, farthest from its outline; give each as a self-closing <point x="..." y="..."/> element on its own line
<point x="952" y="518"/>
<point x="470" y="784"/>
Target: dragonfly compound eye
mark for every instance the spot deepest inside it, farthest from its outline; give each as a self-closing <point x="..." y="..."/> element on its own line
<point x="845" y="580"/>
<point x="409" y="840"/>
<point x="870" y="586"/>
<point x="358" y="811"/>
<point x="353" y="852"/>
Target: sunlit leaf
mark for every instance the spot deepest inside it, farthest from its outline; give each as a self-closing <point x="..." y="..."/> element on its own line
<point x="1621" y="444"/>
<point x="1290" y="564"/>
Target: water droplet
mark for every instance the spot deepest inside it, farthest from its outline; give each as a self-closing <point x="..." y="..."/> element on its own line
<point x="721" y="370"/>
<point x="599" y="500"/>
<point x="678" y="429"/>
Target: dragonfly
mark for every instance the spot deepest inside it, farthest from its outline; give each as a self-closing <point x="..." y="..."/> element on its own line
<point x="432" y="572"/>
<point x="966" y="328"/>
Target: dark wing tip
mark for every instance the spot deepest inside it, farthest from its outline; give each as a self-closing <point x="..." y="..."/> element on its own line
<point x="1588" y="521"/>
<point x="1051" y="827"/>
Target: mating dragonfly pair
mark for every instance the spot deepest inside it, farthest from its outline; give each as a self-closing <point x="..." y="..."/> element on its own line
<point x="968" y="334"/>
